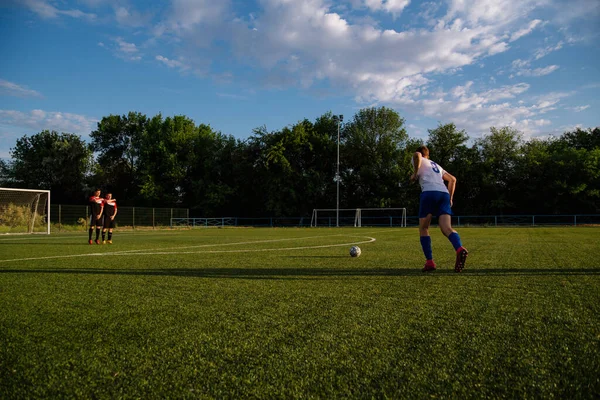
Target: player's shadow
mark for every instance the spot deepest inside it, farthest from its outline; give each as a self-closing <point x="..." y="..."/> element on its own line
<point x="305" y="273"/>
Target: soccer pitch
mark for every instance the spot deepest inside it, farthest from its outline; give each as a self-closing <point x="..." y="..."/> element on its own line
<point x="287" y="313"/>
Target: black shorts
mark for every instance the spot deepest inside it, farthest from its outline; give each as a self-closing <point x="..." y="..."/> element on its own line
<point x="94" y="221"/>
<point x="109" y="223"/>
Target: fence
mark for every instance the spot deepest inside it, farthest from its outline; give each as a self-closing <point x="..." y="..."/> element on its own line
<point x="65" y="217"/>
<point x="411" y="221"/>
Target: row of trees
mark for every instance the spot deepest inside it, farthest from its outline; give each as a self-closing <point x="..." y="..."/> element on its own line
<point x="174" y="162"/>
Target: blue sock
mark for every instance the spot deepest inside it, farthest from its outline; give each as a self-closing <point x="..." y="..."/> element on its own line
<point x="426" y="245"/>
<point x="455" y="240"/>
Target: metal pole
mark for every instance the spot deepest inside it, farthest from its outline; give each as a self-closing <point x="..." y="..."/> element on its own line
<point x="337" y="178"/>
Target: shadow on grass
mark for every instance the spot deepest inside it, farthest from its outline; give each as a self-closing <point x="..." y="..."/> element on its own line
<point x="303" y="273"/>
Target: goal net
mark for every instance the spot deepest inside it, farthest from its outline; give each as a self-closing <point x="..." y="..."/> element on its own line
<point x="393" y="217"/>
<point x="332" y="217"/>
<point x="24" y="211"/>
<point x="357" y="217"/>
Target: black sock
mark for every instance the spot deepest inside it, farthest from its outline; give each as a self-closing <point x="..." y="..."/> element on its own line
<point x="109" y="235"/>
<point x="103" y="235"/>
<point x="97" y="233"/>
<point x="91" y="230"/>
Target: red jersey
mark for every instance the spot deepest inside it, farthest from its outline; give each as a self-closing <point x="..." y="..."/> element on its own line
<point x="110" y="207"/>
<point x="96" y="204"/>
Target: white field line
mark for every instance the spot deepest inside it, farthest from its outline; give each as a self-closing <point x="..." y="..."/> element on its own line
<point x="162" y="252"/>
<point x="248" y="250"/>
<point x="233" y="244"/>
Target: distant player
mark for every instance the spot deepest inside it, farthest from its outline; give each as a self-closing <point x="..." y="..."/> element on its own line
<point x="96" y="208"/>
<point x="110" y="212"/>
<point x="436" y="200"/>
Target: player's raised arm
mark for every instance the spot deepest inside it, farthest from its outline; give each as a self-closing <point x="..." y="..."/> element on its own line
<point x="416" y="161"/>
<point x="451" y="184"/>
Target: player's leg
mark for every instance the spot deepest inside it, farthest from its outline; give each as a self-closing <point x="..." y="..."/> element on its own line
<point x="425" y="214"/>
<point x="426" y="243"/>
<point x="91" y="230"/>
<point x="110" y="232"/>
<point x="104" y="229"/>
<point x="445" y="221"/>
<point x="98" y="229"/>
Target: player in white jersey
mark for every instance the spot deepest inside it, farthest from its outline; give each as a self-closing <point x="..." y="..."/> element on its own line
<point x="436" y="200"/>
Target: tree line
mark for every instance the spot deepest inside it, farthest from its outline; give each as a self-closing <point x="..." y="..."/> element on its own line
<point x="172" y="162"/>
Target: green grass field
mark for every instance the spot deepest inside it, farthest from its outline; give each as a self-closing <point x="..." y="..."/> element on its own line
<point x="287" y="313"/>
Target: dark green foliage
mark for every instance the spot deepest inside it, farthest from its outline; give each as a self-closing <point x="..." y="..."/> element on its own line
<point x="172" y="162"/>
<point x="51" y="161"/>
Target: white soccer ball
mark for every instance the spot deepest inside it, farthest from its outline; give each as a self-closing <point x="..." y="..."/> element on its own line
<point x="354" y="251"/>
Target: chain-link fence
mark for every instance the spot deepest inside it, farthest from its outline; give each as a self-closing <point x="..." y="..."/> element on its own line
<point x="73" y="217"/>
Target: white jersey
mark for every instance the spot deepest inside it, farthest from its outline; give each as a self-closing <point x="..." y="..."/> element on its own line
<point x="430" y="176"/>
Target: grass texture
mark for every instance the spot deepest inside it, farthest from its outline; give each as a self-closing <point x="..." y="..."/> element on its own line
<point x="287" y="313"/>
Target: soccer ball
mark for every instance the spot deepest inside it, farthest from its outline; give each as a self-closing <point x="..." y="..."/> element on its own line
<point x="354" y="251"/>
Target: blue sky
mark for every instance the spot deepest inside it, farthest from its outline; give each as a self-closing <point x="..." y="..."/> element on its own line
<point x="240" y="64"/>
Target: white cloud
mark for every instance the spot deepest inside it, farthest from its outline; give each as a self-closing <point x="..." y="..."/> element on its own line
<point x="126" y="50"/>
<point x="547" y="50"/>
<point x="46" y="10"/>
<point x="320" y="43"/>
<point x="130" y="17"/>
<point x="580" y="108"/>
<point x="491" y="12"/>
<point x="38" y="120"/>
<point x="172" y="63"/>
<point x="477" y="111"/>
<point x="394" y="7"/>
<point x="186" y="14"/>
<point x="518" y="64"/>
<point x="378" y="64"/>
<point x="576" y="9"/>
<point x="525" y="31"/>
<point x="14" y="89"/>
<point x="537" y="71"/>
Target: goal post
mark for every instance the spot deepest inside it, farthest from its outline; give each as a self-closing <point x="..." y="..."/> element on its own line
<point x="358" y="217"/>
<point x="24" y="211"/>
<point x="392" y="217"/>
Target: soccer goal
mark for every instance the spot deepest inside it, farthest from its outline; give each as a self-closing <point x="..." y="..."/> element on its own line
<point x="393" y="217"/>
<point x="24" y="211"/>
<point x="331" y="217"/>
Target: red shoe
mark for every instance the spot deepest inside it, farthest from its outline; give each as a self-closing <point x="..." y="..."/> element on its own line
<point x="97" y="241"/>
<point x="429" y="266"/>
<point x="461" y="258"/>
<point x="90" y="242"/>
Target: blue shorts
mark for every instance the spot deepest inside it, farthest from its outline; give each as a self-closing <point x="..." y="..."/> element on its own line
<point x="434" y="203"/>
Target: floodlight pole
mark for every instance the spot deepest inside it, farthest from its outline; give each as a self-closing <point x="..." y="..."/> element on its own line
<point x="339" y="119"/>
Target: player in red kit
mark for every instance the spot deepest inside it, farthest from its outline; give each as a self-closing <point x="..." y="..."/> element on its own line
<point x="96" y="208"/>
<point x="110" y="212"/>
